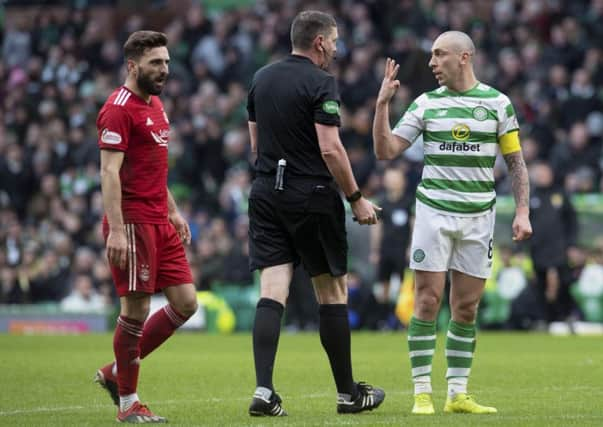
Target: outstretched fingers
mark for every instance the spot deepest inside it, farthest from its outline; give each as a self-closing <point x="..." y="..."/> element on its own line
<point x="391" y="69"/>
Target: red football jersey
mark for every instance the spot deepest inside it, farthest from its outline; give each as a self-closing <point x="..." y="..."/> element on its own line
<point x="141" y="130"/>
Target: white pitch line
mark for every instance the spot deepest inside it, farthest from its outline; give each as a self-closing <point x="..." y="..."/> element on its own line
<point x="56" y="409"/>
<point x="74" y="408"/>
<point x="49" y="409"/>
<point x="485" y="420"/>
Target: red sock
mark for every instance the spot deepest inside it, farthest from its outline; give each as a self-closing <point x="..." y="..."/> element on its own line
<point x="158" y="328"/>
<point x="127" y="353"/>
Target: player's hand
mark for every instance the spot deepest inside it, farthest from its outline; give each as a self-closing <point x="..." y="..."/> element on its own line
<point x="181" y="226"/>
<point x="389" y="84"/>
<point x="522" y="229"/>
<point x="365" y="211"/>
<point x="117" y="248"/>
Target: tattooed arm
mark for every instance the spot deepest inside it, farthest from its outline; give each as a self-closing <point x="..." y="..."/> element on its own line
<point x="522" y="229"/>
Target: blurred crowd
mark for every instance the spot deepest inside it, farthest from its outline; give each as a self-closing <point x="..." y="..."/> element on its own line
<point x="60" y="63"/>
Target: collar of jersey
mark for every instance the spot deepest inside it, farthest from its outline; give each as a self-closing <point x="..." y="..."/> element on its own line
<point x="451" y="92"/>
<point x="300" y="57"/>
<point x="138" y="98"/>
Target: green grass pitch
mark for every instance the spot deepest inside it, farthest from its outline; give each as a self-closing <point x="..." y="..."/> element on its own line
<point x="207" y="380"/>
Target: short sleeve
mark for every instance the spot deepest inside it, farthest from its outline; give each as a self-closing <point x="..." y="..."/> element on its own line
<point x="114" y="125"/>
<point x="507" y="119"/>
<point x="250" y="103"/>
<point x="326" y="103"/>
<point x="411" y="124"/>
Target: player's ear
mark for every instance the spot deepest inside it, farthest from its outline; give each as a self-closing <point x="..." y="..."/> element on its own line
<point x="131" y="65"/>
<point x="464" y="57"/>
<point x="318" y="43"/>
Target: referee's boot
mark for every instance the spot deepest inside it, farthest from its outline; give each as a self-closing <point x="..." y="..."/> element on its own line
<point x="266" y="403"/>
<point x="367" y="398"/>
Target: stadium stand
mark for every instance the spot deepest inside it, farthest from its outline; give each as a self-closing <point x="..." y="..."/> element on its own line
<point x="60" y="63"/>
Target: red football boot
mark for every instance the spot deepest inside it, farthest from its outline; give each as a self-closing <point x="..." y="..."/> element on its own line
<point x="104" y="376"/>
<point x="139" y="414"/>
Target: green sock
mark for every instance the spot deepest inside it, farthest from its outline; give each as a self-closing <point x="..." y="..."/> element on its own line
<point x="421" y="346"/>
<point x="460" y="346"/>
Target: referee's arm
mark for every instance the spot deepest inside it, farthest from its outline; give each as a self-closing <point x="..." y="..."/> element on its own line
<point x="338" y="163"/>
<point x="336" y="158"/>
<point x="253" y="136"/>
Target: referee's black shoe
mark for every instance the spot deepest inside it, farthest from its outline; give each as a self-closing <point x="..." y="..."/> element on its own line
<point x="271" y="407"/>
<point x="367" y="399"/>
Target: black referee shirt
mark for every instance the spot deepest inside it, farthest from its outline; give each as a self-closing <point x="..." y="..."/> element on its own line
<point x="285" y="100"/>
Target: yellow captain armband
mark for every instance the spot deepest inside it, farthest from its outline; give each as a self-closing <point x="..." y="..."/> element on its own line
<point x="509" y="142"/>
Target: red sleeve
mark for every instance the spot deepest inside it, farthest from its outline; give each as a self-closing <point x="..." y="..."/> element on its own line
<point x="113" y="125"/>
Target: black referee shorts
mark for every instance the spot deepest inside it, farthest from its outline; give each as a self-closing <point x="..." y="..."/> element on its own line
<point x="304" y="222"/>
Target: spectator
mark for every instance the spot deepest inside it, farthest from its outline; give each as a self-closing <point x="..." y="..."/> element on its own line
<point x="582" y="98"/>
<point x="10" y="291"/>
<point x="83" y="298"/>
<point x="15" y="178"/>
<point x="578" y="151"/>
<point x="389" y="242"/>
<point x="17" y="43"/>
<point x="236" y="260"/>
<point x="60" y="62"/>
<point x="551" y="209"/>
<point x="363" y="311"/>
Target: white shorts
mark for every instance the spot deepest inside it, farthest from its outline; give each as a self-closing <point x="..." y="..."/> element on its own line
<point x="441" y="242"/>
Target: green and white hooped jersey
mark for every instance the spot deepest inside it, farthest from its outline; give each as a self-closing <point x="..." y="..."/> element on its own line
<point x="461" y="131"/>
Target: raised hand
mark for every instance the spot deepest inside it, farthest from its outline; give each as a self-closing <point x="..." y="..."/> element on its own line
<point x="389" y="84"/>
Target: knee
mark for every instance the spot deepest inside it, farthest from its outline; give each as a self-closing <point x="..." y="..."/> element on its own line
<point x="276" y="293"/>
<point x="331" y="290"/>
<point x="135" y="307"/>
<point x="465" y="311"/>
<point x="187" y="308"/>
<point x="427" y="304"/>
<point x="139" y="313"/>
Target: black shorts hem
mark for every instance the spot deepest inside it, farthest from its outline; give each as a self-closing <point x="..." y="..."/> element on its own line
<point x="254" y="265"/>
<point x="336" y="274"/>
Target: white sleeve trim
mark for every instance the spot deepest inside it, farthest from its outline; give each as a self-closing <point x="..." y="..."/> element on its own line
<point x="408" y="132"/>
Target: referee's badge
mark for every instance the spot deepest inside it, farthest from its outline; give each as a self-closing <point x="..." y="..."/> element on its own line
<point x="330" y="107"/>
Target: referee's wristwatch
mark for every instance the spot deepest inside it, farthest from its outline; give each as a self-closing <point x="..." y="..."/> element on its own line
<point x="354" y="197"/>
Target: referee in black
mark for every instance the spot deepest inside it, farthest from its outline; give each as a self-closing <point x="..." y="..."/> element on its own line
<point x="295" y="210"/>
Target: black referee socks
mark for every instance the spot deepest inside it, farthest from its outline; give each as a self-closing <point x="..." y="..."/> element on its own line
<point x="335" y="338"/>
<point x="266" y="331"/>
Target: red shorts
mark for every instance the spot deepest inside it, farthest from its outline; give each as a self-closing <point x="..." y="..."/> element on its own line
<point x="156" y="259"/>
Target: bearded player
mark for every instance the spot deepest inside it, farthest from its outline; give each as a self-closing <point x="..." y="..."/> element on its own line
<point x="143" y="230"/>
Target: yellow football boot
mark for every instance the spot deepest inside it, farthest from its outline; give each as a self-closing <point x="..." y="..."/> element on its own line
<point x="465" y="404"/>
<point x="423" y="404"/>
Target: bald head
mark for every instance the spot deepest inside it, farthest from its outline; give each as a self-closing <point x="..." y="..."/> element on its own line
<point x="457" y="41"/>
<point x="452" y="60"/>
